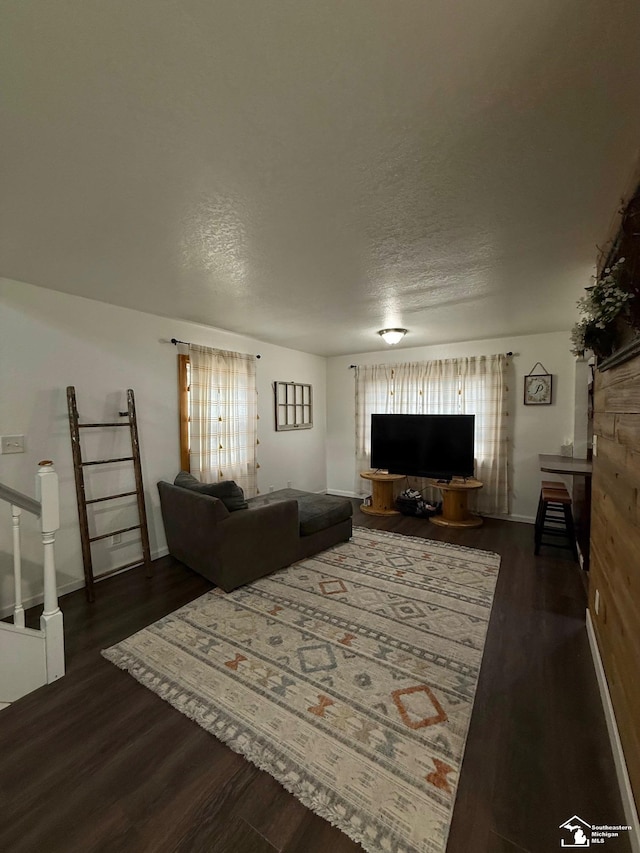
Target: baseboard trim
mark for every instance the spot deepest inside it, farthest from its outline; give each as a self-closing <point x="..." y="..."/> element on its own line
<point x="522" y="519"/>
<point x="72" y="586"/>
<point x="526" y="519"/>
<point x="342" y="494"/>
<point x="35" y="600"/>
<point x="626" y="792"/>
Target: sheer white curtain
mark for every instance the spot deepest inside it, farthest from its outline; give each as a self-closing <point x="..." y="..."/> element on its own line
<point x="413" y="388"/>
<point x="483" y="393"/>
<point x="374" y="393"/>
<point x="223" y="417"/>
<point x="474" y="385"/>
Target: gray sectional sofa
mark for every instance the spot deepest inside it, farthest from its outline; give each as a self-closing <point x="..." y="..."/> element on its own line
<point x="234" y="546"/>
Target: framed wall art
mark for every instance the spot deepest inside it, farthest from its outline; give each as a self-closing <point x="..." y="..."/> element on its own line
<point x="293" y="405"/>
<point x="538" y="387"/>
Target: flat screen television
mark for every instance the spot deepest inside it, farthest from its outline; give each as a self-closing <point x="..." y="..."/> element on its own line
<point x="438" y="446"/>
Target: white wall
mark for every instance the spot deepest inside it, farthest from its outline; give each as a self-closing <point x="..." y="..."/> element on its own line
<point x="534" y="429"/>
<point x="49" y="340"/>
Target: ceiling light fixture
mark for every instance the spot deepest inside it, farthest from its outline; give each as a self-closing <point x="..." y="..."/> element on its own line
<point x="392" y="336"/>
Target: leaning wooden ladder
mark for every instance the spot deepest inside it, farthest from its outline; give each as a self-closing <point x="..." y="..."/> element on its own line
<point x="79" y="465"/>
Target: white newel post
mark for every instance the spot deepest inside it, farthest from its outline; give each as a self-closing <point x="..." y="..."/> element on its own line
<point x="18" y="609"/>
<point x="51" y="619"/>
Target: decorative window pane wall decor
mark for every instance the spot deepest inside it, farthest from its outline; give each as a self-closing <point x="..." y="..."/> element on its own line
<point x="293" y="405"/>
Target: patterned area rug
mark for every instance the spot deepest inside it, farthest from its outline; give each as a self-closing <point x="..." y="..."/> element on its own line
<point x="348" y="677"/>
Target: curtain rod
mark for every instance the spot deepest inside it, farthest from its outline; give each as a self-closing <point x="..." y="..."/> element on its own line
<point x="508" y="354"/>
<point x="175" y="342"/>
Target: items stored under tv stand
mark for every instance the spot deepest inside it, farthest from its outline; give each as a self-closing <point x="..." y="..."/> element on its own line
<point x="455" y="495"/>
<point x="455" y="508"/>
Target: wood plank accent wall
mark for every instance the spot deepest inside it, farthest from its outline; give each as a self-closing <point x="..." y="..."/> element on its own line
<point x="615" y="548"/>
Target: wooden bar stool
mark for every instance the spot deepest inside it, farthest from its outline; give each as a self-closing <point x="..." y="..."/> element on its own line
<point x="558" y="485"/>
<point x="554" y="518"/>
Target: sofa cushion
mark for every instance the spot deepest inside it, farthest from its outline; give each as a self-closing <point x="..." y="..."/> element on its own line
<point x="228" y="491"/>
<point x="318" y="512"/>
<point x="315" y="512"/>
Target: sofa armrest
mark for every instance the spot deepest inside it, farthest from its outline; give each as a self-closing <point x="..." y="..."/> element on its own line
<point x="256" y="542"/>
<point x="192" y="524"/>
<point x="230" y="549"/>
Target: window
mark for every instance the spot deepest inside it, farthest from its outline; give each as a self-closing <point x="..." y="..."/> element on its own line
<point x="218" y="416"/>
<point x="184" y="382"/>
<point x="474" y="385"/>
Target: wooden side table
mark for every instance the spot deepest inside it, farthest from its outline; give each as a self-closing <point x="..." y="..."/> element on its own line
<point x="455" y="509"/>
<point x="382" y="500"/>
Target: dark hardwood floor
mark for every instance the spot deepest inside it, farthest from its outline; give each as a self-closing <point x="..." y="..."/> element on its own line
<point x="96" y="762"/>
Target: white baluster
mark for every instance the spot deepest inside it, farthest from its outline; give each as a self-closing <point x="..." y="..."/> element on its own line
<point x="18" y="609"/>
<point x="51" y="619"/>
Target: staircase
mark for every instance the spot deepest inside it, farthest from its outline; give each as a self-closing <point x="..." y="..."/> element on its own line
<point x="30" y="658"/>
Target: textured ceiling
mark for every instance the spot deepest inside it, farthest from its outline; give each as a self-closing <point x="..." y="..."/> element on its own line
<point x="309" y="172"/>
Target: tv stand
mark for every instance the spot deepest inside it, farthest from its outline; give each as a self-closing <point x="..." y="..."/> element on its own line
<point x="455" y="509"/>
<point x="382" y="499"/>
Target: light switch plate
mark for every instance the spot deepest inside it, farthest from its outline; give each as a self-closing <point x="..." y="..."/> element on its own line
<point x="12" y="444"/>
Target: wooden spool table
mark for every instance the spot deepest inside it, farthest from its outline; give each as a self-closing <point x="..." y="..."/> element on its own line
<point x="455" y="509"/>
<point x="382" y="499"/>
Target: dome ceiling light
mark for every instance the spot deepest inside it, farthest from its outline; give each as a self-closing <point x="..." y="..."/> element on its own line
<point x="392" y="336"/>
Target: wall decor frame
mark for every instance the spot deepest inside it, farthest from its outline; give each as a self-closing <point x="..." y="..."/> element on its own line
<point x="538" y="387"/>
<point x="293" y="403"/>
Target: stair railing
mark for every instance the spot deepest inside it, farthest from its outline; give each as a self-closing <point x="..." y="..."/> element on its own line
<point x="47" y="507"/>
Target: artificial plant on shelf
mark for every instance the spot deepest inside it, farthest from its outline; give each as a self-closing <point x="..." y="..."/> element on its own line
<point x="604" y="304"/>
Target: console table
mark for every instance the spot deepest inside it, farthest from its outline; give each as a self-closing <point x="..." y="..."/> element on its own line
<point x="455" y="510"/>
<point x="382" y="500"/>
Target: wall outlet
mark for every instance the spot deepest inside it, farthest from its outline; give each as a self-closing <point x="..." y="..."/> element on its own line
<point x="116" y="539"/>
<point x="288" y="484"/>
<point x="594" y="445"/>
<point x="12" y="443"/>
<point x="596" y="602"/>
<point x="270" y="488"/>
